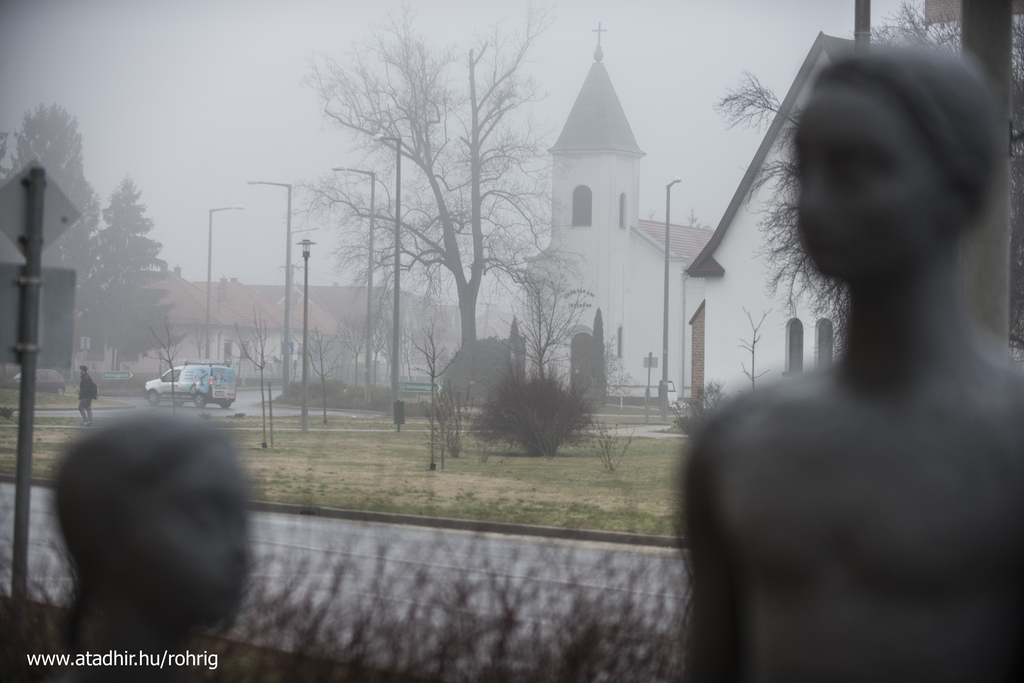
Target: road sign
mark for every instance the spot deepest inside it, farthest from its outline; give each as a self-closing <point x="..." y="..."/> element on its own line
<point x="650" y="362"/>
<point x="58" y="211"/>
<point x="417" y="387"/>
<point x="56" y="315"/>
<point x="117" y="374"/>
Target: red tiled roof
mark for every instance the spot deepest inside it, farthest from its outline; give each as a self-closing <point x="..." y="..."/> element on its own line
<point x="683" y="240"/>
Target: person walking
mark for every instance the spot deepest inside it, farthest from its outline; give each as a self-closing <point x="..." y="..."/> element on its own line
<point x="87" y="391"/>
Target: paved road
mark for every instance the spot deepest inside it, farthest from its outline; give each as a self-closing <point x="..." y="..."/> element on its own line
<point x="247" y="401"/>
<point x="361" y="568"/>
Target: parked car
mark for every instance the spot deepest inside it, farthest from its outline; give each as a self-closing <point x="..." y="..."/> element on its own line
<point x="196" y="381"/>
<point x="47" y="380"/>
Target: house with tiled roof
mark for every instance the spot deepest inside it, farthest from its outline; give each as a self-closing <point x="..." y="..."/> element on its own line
<point x="791" y="339"/>
<point x="235" y="309"/>
<point x="620" y="258"/>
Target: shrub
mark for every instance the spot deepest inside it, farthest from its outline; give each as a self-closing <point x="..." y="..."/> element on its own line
<point x="705" y="399"/>
<point x="340" y="396"/>
<point x="610" y="448"/>
<point x="451" y="419"/>
<point x="537" y="414"/>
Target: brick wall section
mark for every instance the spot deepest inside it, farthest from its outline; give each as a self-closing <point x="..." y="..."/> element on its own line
<point x="697" y="352"/>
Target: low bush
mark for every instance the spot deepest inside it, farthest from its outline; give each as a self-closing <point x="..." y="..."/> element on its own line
<point x="705" y="400"/>
<point x="537" y="414"/>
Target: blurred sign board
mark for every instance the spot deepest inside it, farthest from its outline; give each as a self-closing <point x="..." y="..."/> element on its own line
<point x="417" y="387"/>
<point x="651" y="362"/>
<point x="58" y="211"/>
<point x="56" y="315"/>
<point x="117" y="374"/>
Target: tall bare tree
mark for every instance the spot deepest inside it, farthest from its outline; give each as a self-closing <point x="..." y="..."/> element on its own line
<point x="475" y="199"/>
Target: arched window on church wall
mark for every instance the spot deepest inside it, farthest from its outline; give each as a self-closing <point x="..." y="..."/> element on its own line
<point x="794" y="346"/>
<point x="823" y="332"/>
<point x="622" y="210"/>
<point x="582" y="201"/>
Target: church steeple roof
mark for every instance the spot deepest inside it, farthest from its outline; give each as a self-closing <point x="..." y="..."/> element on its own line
<point x="597" y="122"/>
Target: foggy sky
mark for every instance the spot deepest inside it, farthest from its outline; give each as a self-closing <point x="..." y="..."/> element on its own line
<point x="193" y="98"/>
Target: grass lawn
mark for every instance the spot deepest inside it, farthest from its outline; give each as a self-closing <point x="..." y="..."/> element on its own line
<point x="10" y="398"/>
<point x="378" y="469"/>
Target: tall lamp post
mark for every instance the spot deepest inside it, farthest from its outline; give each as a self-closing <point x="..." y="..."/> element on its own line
<point x="305" y="244"/>
<point x="209" y="271"/>
<point x="663" y="389"/>
<point x="369" y="274"/>
<point x="379" y="137"/>
<point x="286" y="374"/>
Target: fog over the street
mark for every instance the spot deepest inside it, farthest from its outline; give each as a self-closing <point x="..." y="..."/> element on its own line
<point x="192" y="99"/>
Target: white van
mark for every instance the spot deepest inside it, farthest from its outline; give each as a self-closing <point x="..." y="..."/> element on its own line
<point x="199" y="381"/>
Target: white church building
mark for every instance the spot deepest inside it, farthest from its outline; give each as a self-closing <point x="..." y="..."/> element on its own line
<point x="620" y="258"/>
<point x="734" y="272"/>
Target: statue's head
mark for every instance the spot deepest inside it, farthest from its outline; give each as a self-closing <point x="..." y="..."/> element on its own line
<point x="153" y="513"/>
<point x="896" y="152"/>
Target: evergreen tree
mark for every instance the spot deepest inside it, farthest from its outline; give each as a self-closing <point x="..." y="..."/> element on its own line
<point x="50" y="134"/>
<point x="598" y="372"/>
<point x="120" y="305"/>
<point x="516" y="347"/>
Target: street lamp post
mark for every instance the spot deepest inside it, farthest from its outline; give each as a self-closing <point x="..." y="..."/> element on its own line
<point x="369" y="274"/>
<point x="209" y="271"/>
<point x="306" y="244"/>
<point x="286" y="373"/>
<point x="663" y="390"/>
<point x="398" y="263"/>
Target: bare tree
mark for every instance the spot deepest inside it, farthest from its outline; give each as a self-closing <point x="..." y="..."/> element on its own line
<point x="197" y="333"/>
<point x="169" y="345"/>
<point x="351" y="334"/>
<point x="752" y="347"/>
<point x="437" y="360"/>
<point x="549" y="311"/>
<point x="476" y="200"/>
<point x="253" y="347"/>
<point x="322" y="358"/>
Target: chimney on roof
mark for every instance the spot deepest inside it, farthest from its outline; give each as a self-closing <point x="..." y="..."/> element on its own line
<point x="234" y="279"/>
<point x="177" y="271"/>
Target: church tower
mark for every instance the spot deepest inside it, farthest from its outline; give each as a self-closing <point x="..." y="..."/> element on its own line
<point x="595" y="193"/>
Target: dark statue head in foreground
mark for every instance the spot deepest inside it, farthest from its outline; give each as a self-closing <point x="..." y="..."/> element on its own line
<point x="152" y="511"/>
<point x="867" y="523"/>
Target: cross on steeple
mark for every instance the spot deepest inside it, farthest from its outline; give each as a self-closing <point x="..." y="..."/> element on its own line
<point x="598" y="53"/>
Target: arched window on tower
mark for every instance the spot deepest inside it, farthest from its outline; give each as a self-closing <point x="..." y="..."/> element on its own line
<point x="582" y="199"/>
<point x="824" y="335"/>
<point x="622" y="210"/>
<point x="794" y="346"/>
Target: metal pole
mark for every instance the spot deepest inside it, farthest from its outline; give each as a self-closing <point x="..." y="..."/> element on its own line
<point x="286" y="373"/>
<point x="862" y="25"/>
<point x="985" y="253"/>
<point x="398" y="264"/>
<point x="305" y="344"/>
<point x="209" y="276"/>
<point x="31" y="284"/>
<point x="369" y="289"/>
<point x="663" y="387"/>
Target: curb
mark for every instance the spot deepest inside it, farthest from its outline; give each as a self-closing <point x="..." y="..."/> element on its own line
<point x="531" y="530"/>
